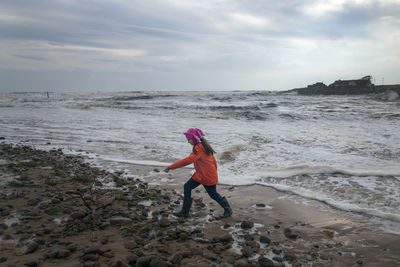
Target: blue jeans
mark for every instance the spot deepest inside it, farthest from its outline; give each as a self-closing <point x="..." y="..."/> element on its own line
<point x="192" y="184"/>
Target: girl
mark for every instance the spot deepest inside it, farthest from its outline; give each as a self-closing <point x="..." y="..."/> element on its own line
<point x="206" y="172"/>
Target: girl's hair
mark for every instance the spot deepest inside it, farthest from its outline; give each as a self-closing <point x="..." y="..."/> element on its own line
<point x="207" y="147"/>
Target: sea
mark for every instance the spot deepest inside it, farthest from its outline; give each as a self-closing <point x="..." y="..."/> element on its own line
<point x="339" y="151"/>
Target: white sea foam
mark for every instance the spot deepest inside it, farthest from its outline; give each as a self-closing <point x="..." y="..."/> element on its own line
<point x="309" y="169"/>
<point x="139" y="162"/>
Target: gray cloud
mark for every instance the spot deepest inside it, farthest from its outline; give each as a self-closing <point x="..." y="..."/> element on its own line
<point x="31" y="57"/>
<point x="235" y="43"/>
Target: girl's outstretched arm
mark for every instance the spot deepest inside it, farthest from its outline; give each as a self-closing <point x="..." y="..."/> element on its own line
<point x="181" y="163"/>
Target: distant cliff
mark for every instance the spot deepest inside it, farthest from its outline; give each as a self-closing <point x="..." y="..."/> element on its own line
<point x="346" y="87"/>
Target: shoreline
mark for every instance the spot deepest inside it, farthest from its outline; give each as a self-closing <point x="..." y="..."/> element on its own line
<point x="298" y="235"/>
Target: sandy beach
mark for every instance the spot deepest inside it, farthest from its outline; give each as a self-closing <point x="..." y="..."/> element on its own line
<point x="53" y="213"/>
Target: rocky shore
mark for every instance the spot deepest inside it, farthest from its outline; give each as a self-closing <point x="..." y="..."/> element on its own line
<point x="56" y="211"/>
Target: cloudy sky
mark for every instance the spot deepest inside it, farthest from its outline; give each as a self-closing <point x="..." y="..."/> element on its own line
<point x="119" y="45"/>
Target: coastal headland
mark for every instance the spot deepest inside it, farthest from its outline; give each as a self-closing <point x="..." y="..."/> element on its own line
<point x="56" y="210"/>
<point x="360" y="86"/>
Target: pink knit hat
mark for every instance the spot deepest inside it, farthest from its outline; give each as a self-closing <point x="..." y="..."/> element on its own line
<point x="194" y="134"/>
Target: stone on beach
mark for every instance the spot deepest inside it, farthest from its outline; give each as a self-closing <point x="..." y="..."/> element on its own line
<point x="118" y="220"/>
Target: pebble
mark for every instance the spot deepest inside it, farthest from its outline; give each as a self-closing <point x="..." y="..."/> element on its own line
<point x="93" y="250"/>
<point x="164" y="222"/>
<point x="247" y="225"/>
<point x="289" y="234"/>
<point x="265" y="240"/>
<point x="118" y="220"/>
<point x="131" y="259"/>
<point x="31" y="264"/>
<point x="241" y="263"/>
<point x="225" y="238"/>
<point x="30" y="247"/>
<point x="130" y="244"/>
<point x="157" y="263"/>
<point x="52" y="254"/>
<point x="90" y="257"/>
<point x="143" y="261"/>
<point x="289" y="256"/>
<point x="265" y="262"/>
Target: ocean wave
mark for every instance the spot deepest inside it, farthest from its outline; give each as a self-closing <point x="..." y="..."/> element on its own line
<point x="309" y="169"/>
<point x="131" y="98"/>
<point x="233" y="107"/>
<point x="249" y="115"/>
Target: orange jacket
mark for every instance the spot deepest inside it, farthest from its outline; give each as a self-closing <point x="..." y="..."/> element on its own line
<point x="205" y="166"/>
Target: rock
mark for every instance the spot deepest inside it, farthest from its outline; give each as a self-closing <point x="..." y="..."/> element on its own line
<point x="289" y="234"/>
<point x="3" y="226"/>
<point x="164" y="222"/>
<point x="260" y="205"/>
<point x="117" y="264"/>
<point x="329" y="233"/>
<point x="31" y="264"/>
<point x="143" y="261"/>
<point x="130" y="244"/>
<point x="157" y="263"/>
<point x="108" y="254"/>
<point x="63" y="253"/>
<point x="3" y="259"/>
<point x="225" y="264"/>
<point x="227" y="225"/>
<point x="289" y="256"/>
<point x="246" y="251"/>
<point x="241" y="263"/>
<point x="277" y="259"/>
<point x="247" y="224"/>
<point x="183" y="236"/>
<point x="131" y="259"/>
<point x="225" y="238"/>
<point x="32" y="202"/>
<point x="77" y="215"/>
<point x="118" y="220"/>
<point x="30" y="247"/>
<point x="176" y="258"/>
<point x="90" y="257"/>
<point x="91" y="264"/>
<point x="93" y="250"/>
<point x="265" y="240"/>
<point x="52" y="254"/>
<point x="265" y="262"/>
<point x="277" y="251"/>
<point x="72" y="247"/>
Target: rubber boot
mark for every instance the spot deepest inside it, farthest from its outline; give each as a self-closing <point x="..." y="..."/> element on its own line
<point x="227" y="209"/>
<point x="184" y="213"/>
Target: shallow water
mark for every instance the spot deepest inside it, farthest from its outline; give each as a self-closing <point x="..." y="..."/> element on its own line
<point x="340" y="150"/>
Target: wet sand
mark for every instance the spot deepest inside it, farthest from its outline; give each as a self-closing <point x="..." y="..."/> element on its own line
<point x="324" y="232"/>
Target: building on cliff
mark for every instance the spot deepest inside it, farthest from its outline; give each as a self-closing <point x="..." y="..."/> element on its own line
<point x="340" y="87"/>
